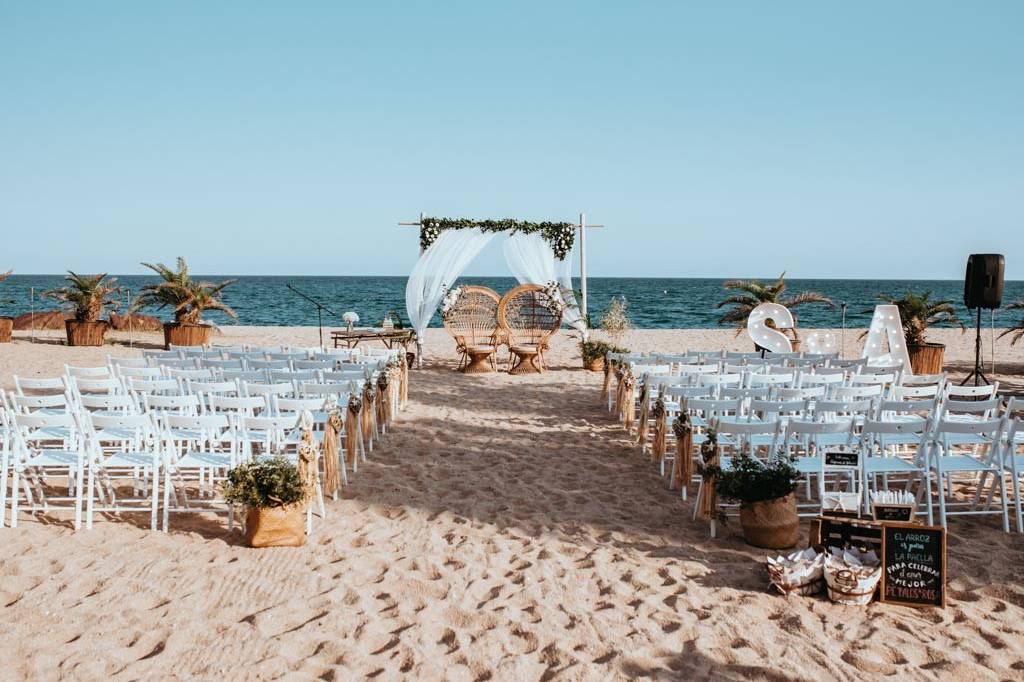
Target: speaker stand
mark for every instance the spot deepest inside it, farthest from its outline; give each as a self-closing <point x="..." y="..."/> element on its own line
<point x="976" y="374"/>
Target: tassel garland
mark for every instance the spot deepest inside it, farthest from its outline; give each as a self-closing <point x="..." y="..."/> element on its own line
<point x="645" y="410"/>
<point x="684" y="452"/>
<point x="660" y="415"/>
<point x="355" y="405"/>
<point x="710" y="456"/>
<point x="332" y="438"/>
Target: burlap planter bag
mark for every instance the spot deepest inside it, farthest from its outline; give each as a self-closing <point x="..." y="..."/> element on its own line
<point x="772" y="524"/>
<point x="276" y="526"/>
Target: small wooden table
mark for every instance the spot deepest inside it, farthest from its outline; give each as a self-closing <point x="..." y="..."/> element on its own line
<point x="526" y="360"/>
<point x="389" y="337"/>
<point x="479" y="359"/>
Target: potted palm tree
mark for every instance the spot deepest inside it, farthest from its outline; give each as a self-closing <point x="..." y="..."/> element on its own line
<point x="755" y="293"/>
<point x="6" y="323"/>
<point x="918" y="312"/>
<point x="188" y="298"/>
<point x="765" y="492"/>
<point x="87" y="297"/>
<point x="1016" y="330"/>
<point x="273" y="493"/>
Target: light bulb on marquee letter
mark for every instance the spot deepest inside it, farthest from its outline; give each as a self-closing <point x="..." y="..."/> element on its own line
<point x="886" y="325"/>
<point x="821" y="341"/>
<point x="763" y="335"/>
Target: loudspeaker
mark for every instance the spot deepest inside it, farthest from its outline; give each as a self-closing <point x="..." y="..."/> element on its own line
<point x="983" y="283"/>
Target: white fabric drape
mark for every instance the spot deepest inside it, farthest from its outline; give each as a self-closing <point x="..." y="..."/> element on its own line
<point x="438" y="268"/>
<point x="532" y="261"/>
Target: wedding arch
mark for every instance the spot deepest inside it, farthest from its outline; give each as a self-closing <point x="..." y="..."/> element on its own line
<point x="536" y="253"/>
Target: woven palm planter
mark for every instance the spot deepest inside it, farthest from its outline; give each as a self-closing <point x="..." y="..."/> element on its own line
<point x="927" y="358"/>
<point x="275" y="527"/>
<point x="595" y="365"/>
<point x="6" y="327"/>
<point x="85" y="333"/>
<point x="186" y="334"/>
<point x="772" y="524"/>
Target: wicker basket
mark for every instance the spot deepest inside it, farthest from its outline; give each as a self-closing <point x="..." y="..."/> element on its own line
<point x="85" y="333"/>
<point x="854" y="586"/>
<point x="186" y="334"/>
<point x="595" y="365"/>
<point x="276" y="527"/>
<point x="6" y="327"/>
<point x="800" y="573"/>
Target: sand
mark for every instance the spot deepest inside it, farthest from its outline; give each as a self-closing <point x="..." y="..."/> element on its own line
<point x="506" y="529"/>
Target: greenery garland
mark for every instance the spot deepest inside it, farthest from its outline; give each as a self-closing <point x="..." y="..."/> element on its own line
<point x="560" y="236"/>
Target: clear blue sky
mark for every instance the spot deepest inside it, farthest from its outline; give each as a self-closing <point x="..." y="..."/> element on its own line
<point x="860" y="139"/>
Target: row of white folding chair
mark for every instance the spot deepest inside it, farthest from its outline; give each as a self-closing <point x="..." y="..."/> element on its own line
<point x="90" y="449"/>
<point x="943" y="448"/>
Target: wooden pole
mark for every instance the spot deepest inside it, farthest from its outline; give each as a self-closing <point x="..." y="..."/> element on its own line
<point x="583" y="265"/>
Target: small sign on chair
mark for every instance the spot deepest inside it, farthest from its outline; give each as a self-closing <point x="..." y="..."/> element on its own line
<point x="845" y="459"/>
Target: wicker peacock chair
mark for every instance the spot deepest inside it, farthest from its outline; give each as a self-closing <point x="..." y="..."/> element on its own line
<point x="473" y="323"/>
<point x="529" y="320"/>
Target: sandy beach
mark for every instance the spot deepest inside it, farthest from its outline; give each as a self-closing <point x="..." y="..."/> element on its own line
<point x="506" y="529"/>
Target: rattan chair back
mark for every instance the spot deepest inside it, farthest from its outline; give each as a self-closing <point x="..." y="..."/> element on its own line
<point x="528" y="317"/>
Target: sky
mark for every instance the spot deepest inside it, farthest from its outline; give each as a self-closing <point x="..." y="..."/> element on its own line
<point x="713" y="139"/>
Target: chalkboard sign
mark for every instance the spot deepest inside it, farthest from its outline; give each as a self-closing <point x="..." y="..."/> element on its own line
<point x="913" y="565"/>
<point x="882" y="511"/>
<point x="842" y="458"/>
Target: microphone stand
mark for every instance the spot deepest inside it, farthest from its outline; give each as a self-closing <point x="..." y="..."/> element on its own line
<point x="977" y="374"/>
<point x="320" y="308"/>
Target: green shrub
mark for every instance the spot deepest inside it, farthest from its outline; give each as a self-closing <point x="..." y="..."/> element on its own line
<point x="592" y="350"/>
<point x="749" y="480"/>
<point x="264" y="483"/>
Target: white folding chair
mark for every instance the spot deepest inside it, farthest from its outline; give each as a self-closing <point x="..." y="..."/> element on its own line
<point x="879" y="459"/>
<point x="948" y="458"/>
<point x="128" y="447"/>
<point x="804" y="442"/>
<point x="46" y="446"/>
<point x="201" y="448"/>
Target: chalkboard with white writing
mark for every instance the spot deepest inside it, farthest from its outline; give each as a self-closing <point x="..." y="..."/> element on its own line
<point x="913" y="565"/>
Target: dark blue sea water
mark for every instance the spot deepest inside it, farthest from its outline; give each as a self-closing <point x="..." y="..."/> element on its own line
<point x="653" y="303"/>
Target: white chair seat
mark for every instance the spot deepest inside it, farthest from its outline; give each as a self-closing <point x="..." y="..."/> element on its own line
<point x="808" y="465"/>
<point x="1015" y="460"/>
<point x="53" y="458"/>
<point x="890" y="439"/>
<point x="129" y="459"/>
<point x="830" y="439"/>
<point x="888" y="465"/>
<point x="115" y="433"/>
<point x="50" y="433"/>
<point x="204" y="459"/>
<point x="964" y="439"/>
<point x="948" y="463"/>
<point x="295" y="437"/>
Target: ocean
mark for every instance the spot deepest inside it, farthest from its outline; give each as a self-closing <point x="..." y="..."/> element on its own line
<point x="653" y="303"/>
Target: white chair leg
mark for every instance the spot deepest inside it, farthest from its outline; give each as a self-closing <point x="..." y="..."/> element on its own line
<point x="155" y="502"/>
<point x="167" y="499"/>
<point x="14" y="496"/>
<point x="91" y="492"/>
<point x="3" y="489"/>
<point x="1002" y="502"/>
<point x="1015" y="482"/>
